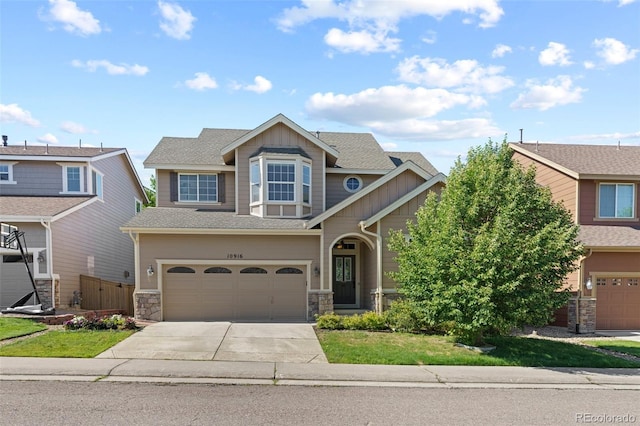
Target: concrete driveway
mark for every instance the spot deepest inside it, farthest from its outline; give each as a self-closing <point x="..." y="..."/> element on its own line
<point x="222" y="341"/>
<point x="633" y="335"/>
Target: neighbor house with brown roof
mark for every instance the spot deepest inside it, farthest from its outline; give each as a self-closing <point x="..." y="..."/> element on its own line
<point x="599" y="185"/>
<point x="70" y="203"/>
<point x="274" y="223"/>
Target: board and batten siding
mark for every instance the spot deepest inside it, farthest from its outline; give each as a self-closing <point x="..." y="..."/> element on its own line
<point x="279" y="136"/>
<point x="563" y="188"/>
<point x="35" y="178"/>
<point x="226" y="248"/>
<point x="163" y="182"/>
<point x="89" y="241"/>
<point x="335" y="186"/>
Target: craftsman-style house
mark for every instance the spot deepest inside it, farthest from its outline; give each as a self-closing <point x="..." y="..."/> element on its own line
<point x="274" y="223"/>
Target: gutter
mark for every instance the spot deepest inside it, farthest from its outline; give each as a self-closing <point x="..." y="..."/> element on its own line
<point x="378" y="238"/>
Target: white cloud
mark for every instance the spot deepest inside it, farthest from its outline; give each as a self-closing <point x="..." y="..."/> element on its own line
<point x="74" y="128"/>
<point x="176" y="22"/>
<point x="625" y="2"/>
<point x="202" y="81"/>
<point x="589" y="65"/>
<point x="500" y="50"/>
<point x="260" y="85"/>
<point x="616" y="136"/>
<point x="12" y="113"/>
<point x="389" y="146"/>
<point x="555" y="54"/>
<point x="613" y="51"/>
<point x="388" y="103"/>
<point x="361" y="41"/>
<point x="370" y="21"/>
<point x="463" y="75"/>
<point x="73" y="20"/>
<point x="555" y="92"/>
<point x="47" y="138"/>
<point x="437" y="130"/>
<point x="430" y="38"/>
<point x="113" y="69"/>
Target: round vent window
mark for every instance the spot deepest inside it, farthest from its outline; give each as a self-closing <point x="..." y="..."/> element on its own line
<point x="352" y="183"/>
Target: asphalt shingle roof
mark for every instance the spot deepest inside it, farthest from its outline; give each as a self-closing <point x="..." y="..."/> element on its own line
<point x="192" y="218"/>
<point x="401" y="157"/>
<point x="37" y="206"/>
<point x="55" y="151"/>
<point x="609" y="236"/>
<point x="589" y="159"/>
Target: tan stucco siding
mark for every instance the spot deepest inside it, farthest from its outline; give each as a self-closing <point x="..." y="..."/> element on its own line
<point x="279" y="136"/>
<point x="589" y="204"/>
<point x="163" y="182"/>
<point x="226" y="248"/>
<point x="563" y="188"/>
<point x="89" y="241"/>
<point x="335" y="186"/>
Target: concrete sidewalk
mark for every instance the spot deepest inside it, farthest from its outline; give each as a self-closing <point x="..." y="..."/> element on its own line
<point x="320" y="374"/>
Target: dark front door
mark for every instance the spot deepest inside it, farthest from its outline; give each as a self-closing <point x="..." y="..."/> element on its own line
<point x="344" y="280"/>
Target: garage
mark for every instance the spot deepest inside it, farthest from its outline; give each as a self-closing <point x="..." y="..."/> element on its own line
<point x="618" y="303"/>
<point x="234" y="293"/>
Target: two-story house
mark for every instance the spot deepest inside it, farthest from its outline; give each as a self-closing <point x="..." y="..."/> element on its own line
<point x="599" y="185"/>
<point x="274" y="223"/>
<point x="70" y="203"/>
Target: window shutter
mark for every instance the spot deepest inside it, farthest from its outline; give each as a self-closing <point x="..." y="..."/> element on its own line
<point x="173" y="186"/>
<point x="221" y="187"/>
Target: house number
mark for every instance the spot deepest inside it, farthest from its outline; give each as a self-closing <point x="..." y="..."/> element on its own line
<point x="234" y="256"/>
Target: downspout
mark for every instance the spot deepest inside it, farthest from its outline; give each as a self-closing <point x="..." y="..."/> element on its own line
<point x="580" y="285"/>
<point x="378" y="238"/>
<point x="47" y="226"/>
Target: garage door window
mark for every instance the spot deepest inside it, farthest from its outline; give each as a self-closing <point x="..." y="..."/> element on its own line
<point x="288" y="271"/>
<point x="253" y="271"/>
<point x="181" y="270"/>
<point x="217" y="270"/>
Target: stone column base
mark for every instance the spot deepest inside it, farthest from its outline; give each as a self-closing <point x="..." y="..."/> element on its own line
<point x="585" y="321"/>
<point x="147" y="305"/>
<point x="44" y="292"/>
<point x="320" y="302"/>
<point x="388" y="297"/>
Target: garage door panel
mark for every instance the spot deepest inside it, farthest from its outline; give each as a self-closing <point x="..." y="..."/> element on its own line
<point x="618" y="303"/>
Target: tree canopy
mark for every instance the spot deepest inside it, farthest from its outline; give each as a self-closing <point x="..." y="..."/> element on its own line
<point x="491" y="252"/>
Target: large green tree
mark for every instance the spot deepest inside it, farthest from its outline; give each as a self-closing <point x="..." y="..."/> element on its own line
<point x="491" y="253"/>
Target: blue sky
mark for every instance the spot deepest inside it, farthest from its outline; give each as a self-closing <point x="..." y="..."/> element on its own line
<point x="423" y="75"/>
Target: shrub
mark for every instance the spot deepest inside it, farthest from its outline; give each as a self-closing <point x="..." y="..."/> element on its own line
<point x="367" y="321"/>
<point x="114" y="322"/>
<point x="403" y="316"/>
<point x="329" y="321"/>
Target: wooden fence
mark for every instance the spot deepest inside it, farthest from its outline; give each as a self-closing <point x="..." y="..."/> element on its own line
<point x="102" y="294"/>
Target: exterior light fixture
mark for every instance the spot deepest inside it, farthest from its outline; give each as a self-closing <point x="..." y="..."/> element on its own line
<point x="150" y="271"/>
<point x="588" y="284"/>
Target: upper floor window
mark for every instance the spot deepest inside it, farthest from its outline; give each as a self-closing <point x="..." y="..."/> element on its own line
<point x="281" y="181"/>
<point x="73" y="178"/>
<point x="96" y="182"/>
<point x="6" y="173"/>
<point x="352" y="183"/>
<point x="306" y="183"/>
<point x="617" y="200"/>
<point x="197" y="187"/>
<point x="137" y="205"/>
<point x="255" y="181"/>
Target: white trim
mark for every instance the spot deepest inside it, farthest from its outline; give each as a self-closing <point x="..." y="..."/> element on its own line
<point x="439" y="178"/>
<point x="634" y="200"/>
<point x="339" y="171"/>
<point x="198" y="201"/>
<point x="137" y="201"/>
<point x="65" y="177"/>
<point x="222" y="231"/>
<point x="202" y="167"/>
<point x="63" y="158"/>
<point x="90" y="183"/>
<point x="9" y="165"/>
<point x="280" y="118"/>
<point x="408" y="165"/>
<point x="35" y="265"/>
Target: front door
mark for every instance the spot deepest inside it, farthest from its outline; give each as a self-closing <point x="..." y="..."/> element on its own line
<point x="344" y="280"/>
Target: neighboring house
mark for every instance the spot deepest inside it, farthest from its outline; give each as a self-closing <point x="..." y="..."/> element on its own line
<point x="272" y="224"/>
<point x="599" y="185"/>
<point x="70" y="202"/>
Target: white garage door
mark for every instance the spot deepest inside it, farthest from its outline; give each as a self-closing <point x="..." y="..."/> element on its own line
<point x="234" y="293"/>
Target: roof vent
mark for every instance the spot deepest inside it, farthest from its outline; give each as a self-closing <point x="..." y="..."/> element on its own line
<point x="521" y="135"/>
<point x="25" y="144"/>
<point x="79" y="143"/>
<point x="318" y="134"/>
<point x="4" y="140"/>
<point x="537" y="143"/>
<point x="618" y="145"/>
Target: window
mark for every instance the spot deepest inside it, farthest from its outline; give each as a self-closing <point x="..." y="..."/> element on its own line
<point x="281" y="178"/>
<point x="306" y="183"/>
<point x="217" y="270"/>
<point x="616" y="200"/>
<point x="6" y="173"/>
<point x="73" y="177"/>
<point x="96" y="182"/>
<point x="255" y="181"/>
<point x="288" y="271"/>
<point x="352" y="183"/>
<point x="181" y="270"/>
<point x="138" y="205"/>
<point x="198" y="188"/>
<point x="253" y="271"/>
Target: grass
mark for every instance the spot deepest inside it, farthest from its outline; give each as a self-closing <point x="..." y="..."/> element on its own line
<point x="16" y="327"/>
<point x="624" y="346"/>
<point x="362" y="347"/>
<point x="66" y="344"/>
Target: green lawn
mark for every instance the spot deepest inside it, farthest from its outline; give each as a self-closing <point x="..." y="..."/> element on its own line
<point x="66" y="344"/>
<point x="16" y="327"/>
<point x="362" y="347"/>
<point x="624" y="346"/>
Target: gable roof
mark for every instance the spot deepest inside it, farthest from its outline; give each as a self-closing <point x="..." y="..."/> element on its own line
<point x="53" y="152"/>
<point x="398" y="158"/>
<point x="409" y="165"/>
<point x="585" y="161"/>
